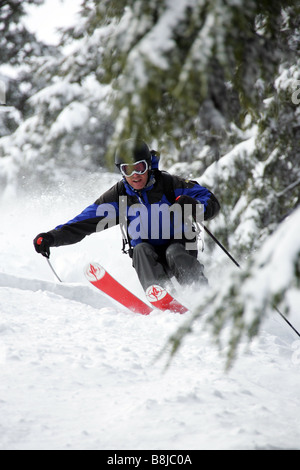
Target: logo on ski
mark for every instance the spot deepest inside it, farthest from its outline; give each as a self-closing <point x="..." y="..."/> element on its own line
<point x="158" y="297"/>
<point x="95" y="272"/>
<point x="155" y="293"/>
<point x="108" y="285"/>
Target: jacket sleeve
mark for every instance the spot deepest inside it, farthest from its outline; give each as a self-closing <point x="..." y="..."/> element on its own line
<point x="198" y="192"/>
<point x="104" y="213"/>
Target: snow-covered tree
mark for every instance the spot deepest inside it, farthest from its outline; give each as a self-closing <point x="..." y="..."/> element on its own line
<point x="21" y="55"/>
<point x="189" y="67"/>
<point x="235" y="308"/>
<point x="18" y="46"/>
<point x="66" y="124"/>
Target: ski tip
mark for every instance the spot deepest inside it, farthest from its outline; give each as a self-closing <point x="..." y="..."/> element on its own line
<point x="94" y="272"/>
<point x="161" y="299"/>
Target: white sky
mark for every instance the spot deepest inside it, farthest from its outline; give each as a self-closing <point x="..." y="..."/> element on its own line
<point x="44" y="20"/>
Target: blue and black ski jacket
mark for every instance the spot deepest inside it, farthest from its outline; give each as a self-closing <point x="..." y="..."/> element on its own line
<point x="139" y="211"/>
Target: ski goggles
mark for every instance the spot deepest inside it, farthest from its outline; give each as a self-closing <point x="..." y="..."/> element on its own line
<point x="129" y="169"/>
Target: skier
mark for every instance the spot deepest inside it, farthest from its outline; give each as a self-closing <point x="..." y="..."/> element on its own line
<point x="157" y="254"/>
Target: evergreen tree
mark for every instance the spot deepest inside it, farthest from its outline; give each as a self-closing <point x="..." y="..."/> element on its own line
<point x="190" y="68"/>
<point x="65" y="114"/>
<point x="18" y="46"/>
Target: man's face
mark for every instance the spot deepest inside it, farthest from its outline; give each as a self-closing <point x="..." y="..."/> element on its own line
<point x="136" y="181"/>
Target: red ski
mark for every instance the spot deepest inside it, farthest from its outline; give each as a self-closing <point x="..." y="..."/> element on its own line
<point x="100" y="278"/>
<point x="161" y="299"/>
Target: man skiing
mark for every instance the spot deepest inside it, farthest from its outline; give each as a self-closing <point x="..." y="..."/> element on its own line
<point x="158" y="241"/>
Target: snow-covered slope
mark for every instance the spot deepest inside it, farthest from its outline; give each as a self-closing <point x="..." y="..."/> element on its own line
<point x="79" y="372"/>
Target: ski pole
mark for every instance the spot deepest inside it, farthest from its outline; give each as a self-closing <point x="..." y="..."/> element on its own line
<point x="221" y="246"/>
<point x="46" y="255"/>
<point x="237" y="264"/>
<point x="285" y="319"/>
<point x="53" y="270"/>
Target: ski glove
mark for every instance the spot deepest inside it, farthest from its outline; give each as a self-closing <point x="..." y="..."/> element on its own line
<point x="42" y="243"/>
<point x="188" y="200"/>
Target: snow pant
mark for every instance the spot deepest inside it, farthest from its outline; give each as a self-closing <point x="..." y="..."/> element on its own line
<point x="157" y="265"/>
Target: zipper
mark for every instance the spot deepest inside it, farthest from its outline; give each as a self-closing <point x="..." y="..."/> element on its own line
<point x="141" y="198"/>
